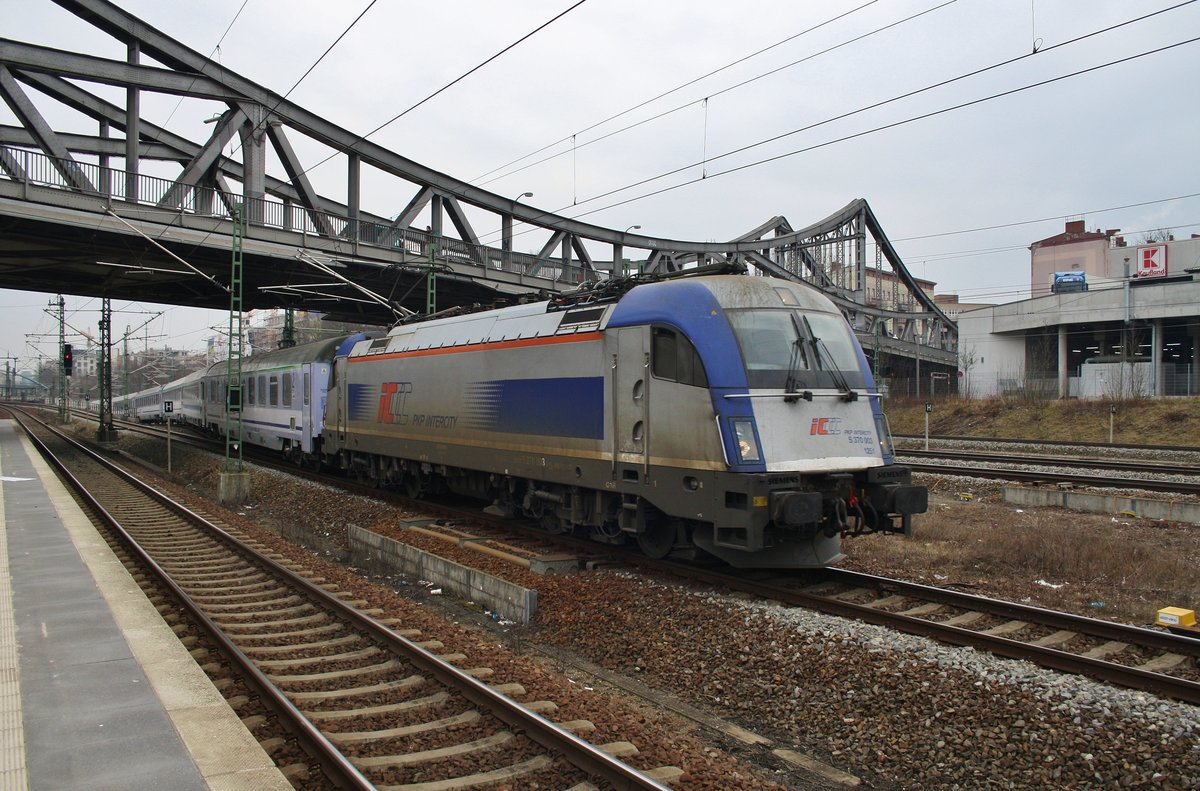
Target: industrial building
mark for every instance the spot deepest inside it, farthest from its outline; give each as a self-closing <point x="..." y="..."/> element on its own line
<point x="1106" y="320"/>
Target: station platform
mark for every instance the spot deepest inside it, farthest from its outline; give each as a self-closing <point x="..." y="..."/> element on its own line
<point x="96" y="692"/>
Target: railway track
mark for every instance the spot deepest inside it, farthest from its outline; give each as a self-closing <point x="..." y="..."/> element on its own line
<point x="1049" y="443"/>
<point x="1128" y="656"/>
<point x="1123" y="655"/>
<point x="376" y="708"/>
<point x="1051" y="476"/>
<point x="1071" y="462"/>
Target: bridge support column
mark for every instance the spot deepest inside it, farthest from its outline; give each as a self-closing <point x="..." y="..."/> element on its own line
<point x="133" y="129"/>
<point x="1193" y="387"/>
<point x="1156" y="355"/>
<point x="254" y="163"/>
<point x="506" y="237"/>
<point x="1064" y="378"/>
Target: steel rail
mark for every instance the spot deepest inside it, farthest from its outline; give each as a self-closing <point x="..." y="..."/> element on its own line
<point x="579" y="753"/>
<point x="1121" y="675"/>
<point x="997" y="473"/>
<point x="1094" y="627"/>
<point x="1162" y="684"/>
<point x="1131" y="465"/>
<point x="337" y="767"/>
<point x="1050" y="442"/>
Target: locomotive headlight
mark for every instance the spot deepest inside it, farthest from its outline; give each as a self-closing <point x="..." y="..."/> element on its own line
<point x="885" y="435"/>
<point x="747" y="445"/>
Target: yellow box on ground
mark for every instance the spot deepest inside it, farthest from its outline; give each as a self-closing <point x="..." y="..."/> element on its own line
<point x="1176" y="616"/>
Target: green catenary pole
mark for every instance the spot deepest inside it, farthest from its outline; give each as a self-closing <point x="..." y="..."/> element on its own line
<point x="233" y="365"/>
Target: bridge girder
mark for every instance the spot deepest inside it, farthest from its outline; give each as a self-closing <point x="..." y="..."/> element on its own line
<point x="832" y="255"/>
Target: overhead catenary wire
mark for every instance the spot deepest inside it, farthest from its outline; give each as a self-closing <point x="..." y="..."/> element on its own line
<point x="324" y="54"/>
<point x="865" y="108"/>
<point x="216" y="48"/>
<point x="1047" y="219"/>
<point x="852" y="136"/>
<point x="946" y="255"/>
<point x="678" y="88"/>
<point x="320" y="58"/>
<point x="442" y="89"/>
<point x="743" y="83"/>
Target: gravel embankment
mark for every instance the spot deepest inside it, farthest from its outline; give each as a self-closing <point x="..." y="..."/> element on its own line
<point x="899" y="711"/>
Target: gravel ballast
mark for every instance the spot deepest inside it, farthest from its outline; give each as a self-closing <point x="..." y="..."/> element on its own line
<point x="900" y="711"/>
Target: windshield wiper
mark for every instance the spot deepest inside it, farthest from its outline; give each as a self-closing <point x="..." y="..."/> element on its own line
<point x="821" y="352"/>
<point x="791" y="385"/>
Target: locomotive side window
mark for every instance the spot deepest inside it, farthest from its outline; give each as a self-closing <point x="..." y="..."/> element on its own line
<point x="673" y="357"/>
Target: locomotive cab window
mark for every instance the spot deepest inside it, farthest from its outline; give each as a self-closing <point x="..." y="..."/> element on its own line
<point x="674" y="358"/>
<point x="788" y="349"/>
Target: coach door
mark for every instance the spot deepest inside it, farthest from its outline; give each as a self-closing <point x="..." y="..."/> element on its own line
<point x="339" y="391"/>
<point x="311" y="425"/>
<point x="630" y="358"/>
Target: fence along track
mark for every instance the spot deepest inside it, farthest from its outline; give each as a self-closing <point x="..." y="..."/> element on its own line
<point x="375" y="708"/>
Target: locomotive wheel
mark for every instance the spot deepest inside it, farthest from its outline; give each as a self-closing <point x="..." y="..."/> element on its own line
<point x="658" y="539"/>
<point x="552" y="524"/>
<point x="413" y="486"/>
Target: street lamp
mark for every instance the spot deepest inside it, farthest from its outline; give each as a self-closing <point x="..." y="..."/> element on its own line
<point x="523" y="195"/>
<point x="617" y="248"/>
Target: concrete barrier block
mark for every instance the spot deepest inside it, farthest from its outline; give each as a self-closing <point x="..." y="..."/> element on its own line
<point x="376" y="552"/>
<point x="1143" y="507"/>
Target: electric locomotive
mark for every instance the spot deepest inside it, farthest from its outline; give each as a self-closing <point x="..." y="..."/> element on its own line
<point x="719" y="414"/>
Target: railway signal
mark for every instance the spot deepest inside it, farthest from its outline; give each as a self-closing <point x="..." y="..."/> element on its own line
<point x="68" y="360"/>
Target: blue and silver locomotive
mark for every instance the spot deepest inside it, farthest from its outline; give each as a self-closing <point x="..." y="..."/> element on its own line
<point x="727" y="415"/>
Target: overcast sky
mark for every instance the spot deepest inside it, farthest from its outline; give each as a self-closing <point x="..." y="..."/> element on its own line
<point x="1122" y="135"/>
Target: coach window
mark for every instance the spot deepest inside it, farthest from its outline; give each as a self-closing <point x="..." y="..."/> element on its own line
<point x="274" y="384"/>
<point x="287" y="389"/>
<point x="250" y="390"/>
<point x="675" y="358"/>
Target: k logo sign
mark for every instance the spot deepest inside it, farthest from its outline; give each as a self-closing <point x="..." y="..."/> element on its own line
<point x="1152" y="261"/>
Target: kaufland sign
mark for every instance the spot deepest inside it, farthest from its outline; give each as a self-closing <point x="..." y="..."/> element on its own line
<point x="1152" y="261"/>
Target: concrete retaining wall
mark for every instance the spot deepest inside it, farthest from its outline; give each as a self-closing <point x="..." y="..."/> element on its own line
<point x="379" y="553"/>
<point x="1105" y="504"/>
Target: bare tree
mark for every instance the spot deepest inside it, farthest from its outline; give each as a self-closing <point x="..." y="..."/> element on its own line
<point x="968" y="357"/>
<point x="1157" y="236"/>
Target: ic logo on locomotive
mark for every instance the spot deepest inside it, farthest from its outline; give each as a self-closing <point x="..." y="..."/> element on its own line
<point x="392" y="396"/>
<point x="825" y="426"/>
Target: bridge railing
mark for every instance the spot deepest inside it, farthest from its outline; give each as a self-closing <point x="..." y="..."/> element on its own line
<point x="111" y="184"/>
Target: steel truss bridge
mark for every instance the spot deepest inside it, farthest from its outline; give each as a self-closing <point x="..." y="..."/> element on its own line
<point x="133" y="211"/>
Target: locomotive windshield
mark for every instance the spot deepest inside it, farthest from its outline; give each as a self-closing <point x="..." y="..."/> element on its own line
<point x="787" y="349"/>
